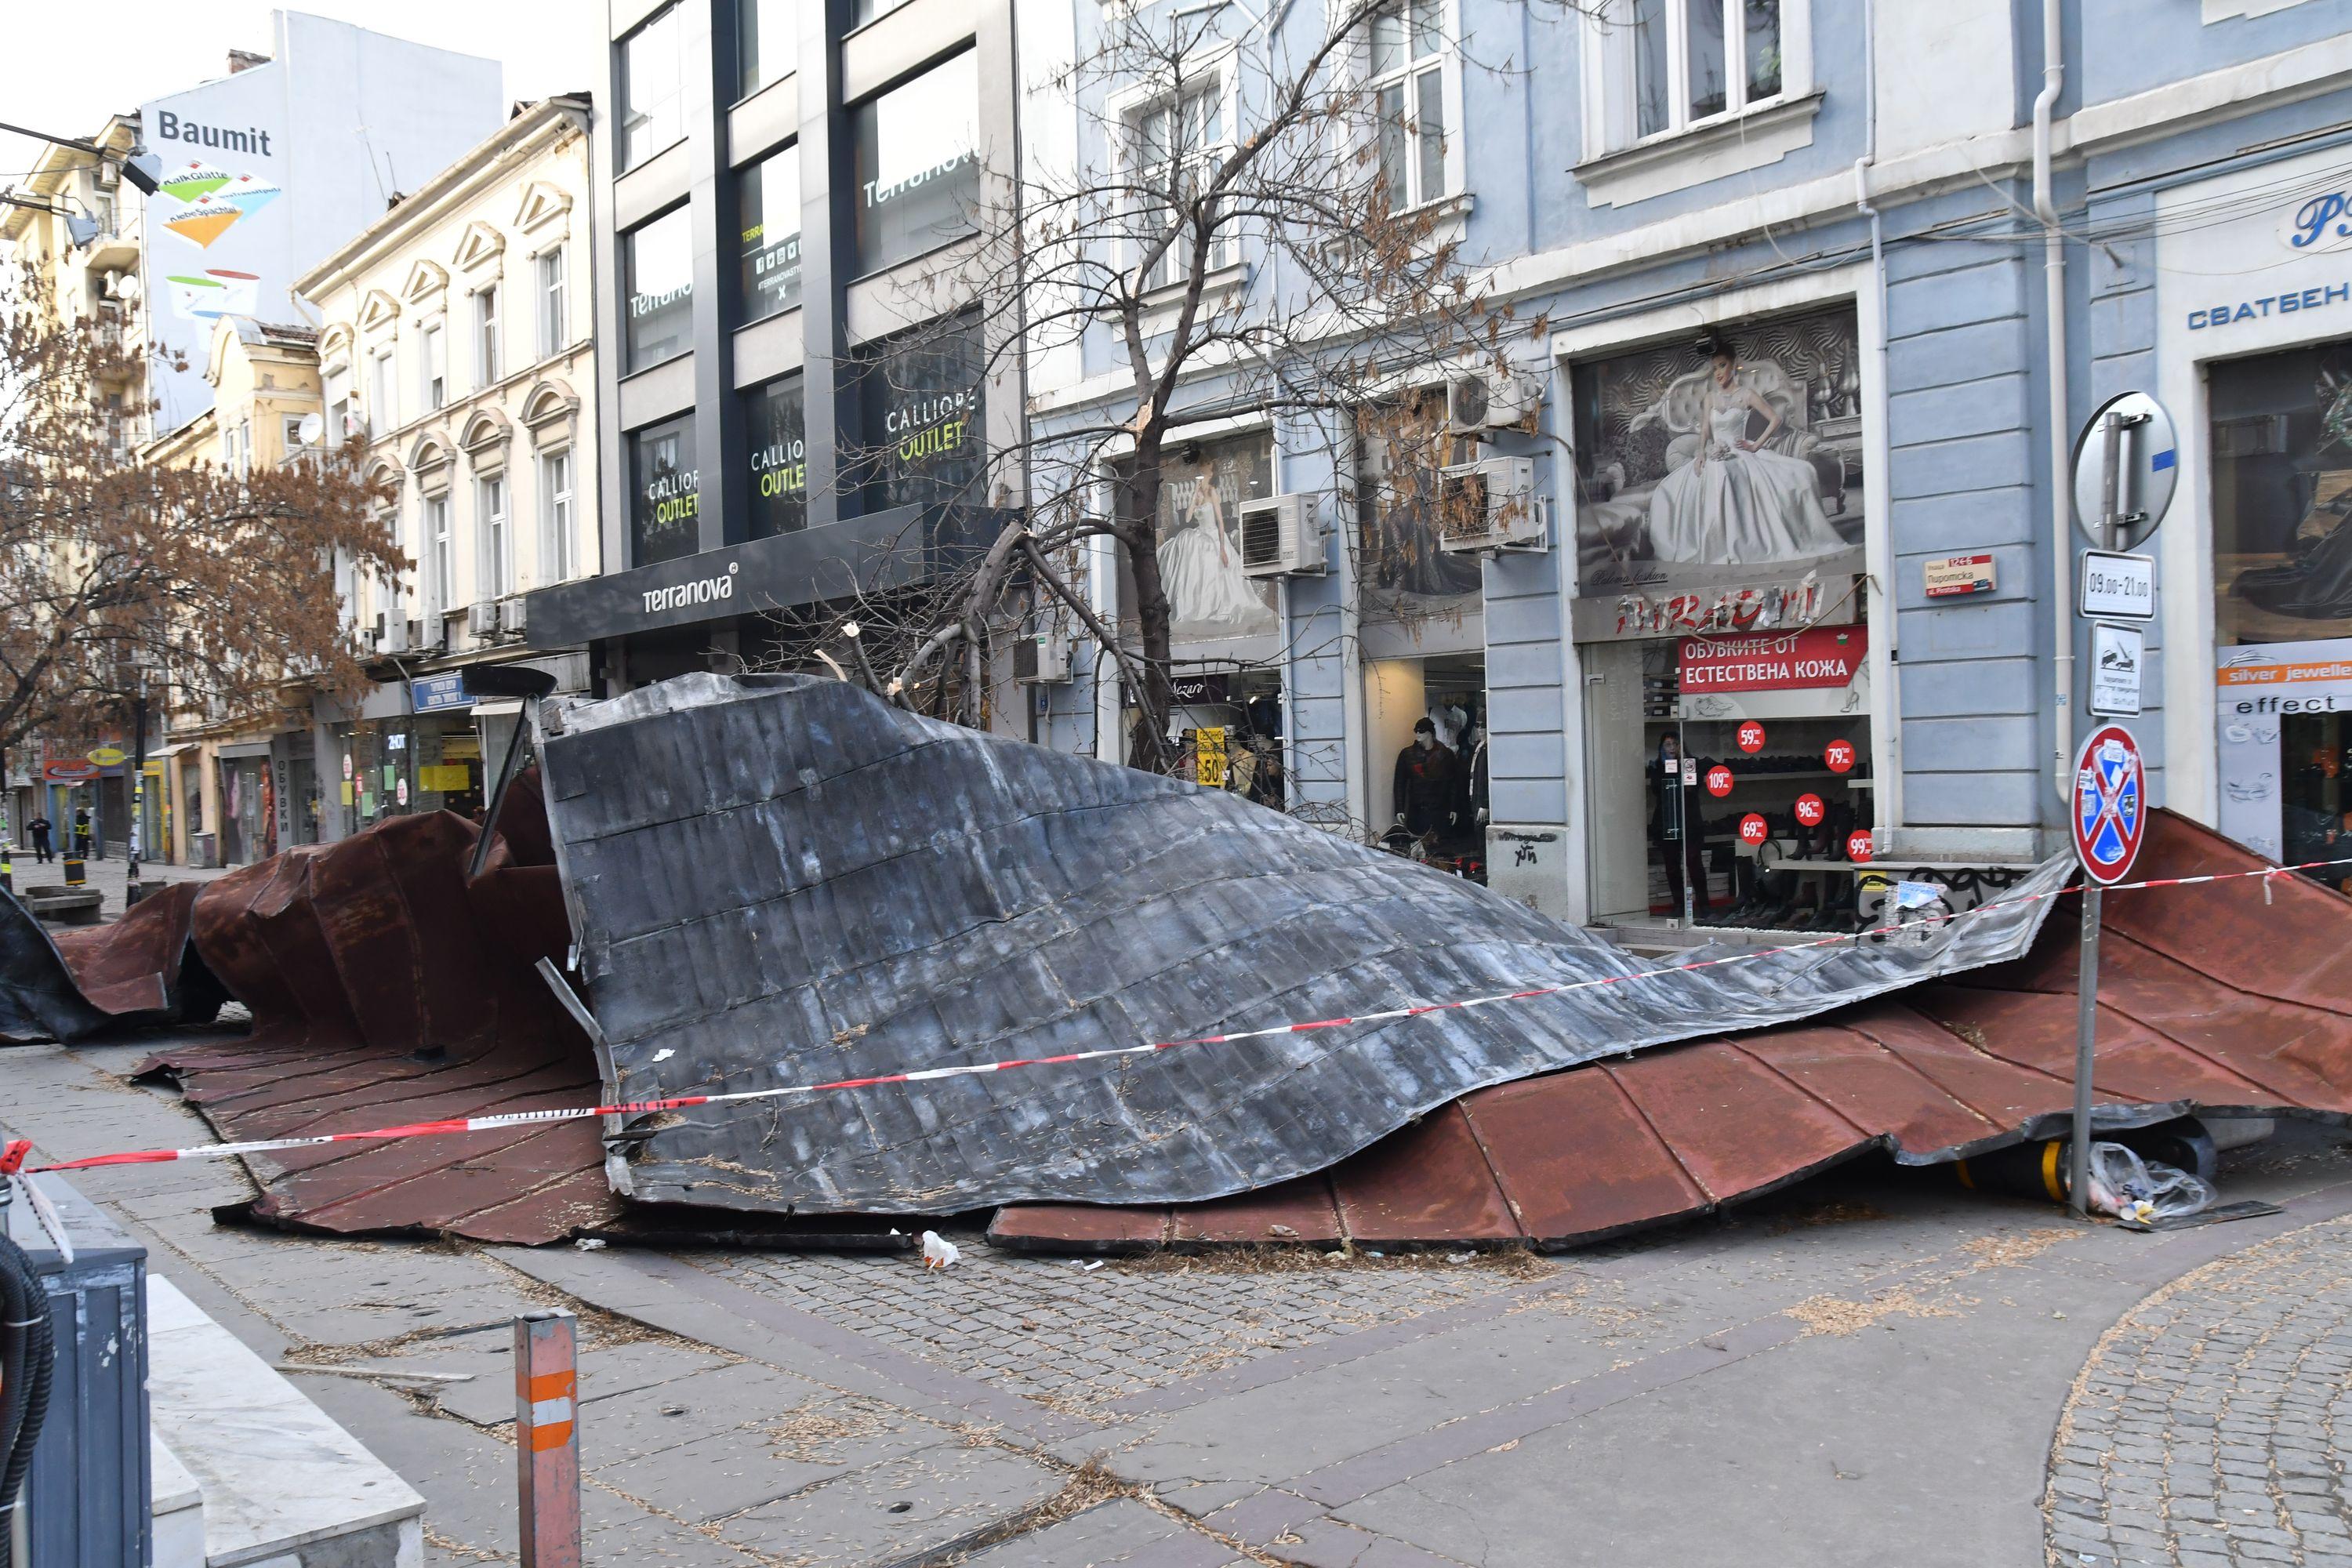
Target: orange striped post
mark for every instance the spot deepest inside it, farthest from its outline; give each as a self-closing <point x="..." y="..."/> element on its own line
<point x="547" y="1438"/>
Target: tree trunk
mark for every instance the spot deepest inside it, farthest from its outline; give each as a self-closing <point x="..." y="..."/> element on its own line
<point x="1148" y="747"/>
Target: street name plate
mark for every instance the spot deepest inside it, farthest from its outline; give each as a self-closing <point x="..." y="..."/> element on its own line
<point x="2117" y="585"/>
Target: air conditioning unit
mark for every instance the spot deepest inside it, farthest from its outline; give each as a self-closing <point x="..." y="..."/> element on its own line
<point x="1490" y="505"/>
<point x="428" y="634"/>
<point x="512" y="617"/>
<point x="1480" y="401"/>
<point x="399" y="636"/>
<point x="482" y="619"/>
<point x="375" y="633"/>
<point x="1282" y="536"/>
<point x="1042" y="660"/>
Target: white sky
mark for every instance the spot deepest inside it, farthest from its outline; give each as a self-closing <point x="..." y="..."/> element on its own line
<point x="75" y="64"/>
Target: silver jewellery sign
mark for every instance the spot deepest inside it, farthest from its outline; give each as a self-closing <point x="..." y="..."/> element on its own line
<point x="694" y="590"/>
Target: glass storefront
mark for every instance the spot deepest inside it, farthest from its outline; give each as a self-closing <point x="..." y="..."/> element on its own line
<point x="919" y="401"/>
<point x="657" y="278"/>
<point x="918" y="164"/>
<point x="769" y="203"/>
<point x="2282" y="458"/>
<point x="778" y="457"/>
<point x="664" y="492"/>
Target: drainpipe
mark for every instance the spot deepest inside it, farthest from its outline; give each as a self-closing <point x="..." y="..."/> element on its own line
<point x="1888" y="804"/>
<point x="2054" y="275"/>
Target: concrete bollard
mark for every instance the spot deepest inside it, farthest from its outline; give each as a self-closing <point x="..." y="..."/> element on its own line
<point x="547" y="1437"/>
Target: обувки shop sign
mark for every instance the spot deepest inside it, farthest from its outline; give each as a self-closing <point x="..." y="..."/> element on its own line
<point x="1774" y="661"/>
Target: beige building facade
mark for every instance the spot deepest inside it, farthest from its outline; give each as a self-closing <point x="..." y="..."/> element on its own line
<point x="455" y="340"/>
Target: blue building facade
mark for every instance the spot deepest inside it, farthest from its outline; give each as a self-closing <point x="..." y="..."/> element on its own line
<point x="1812" y="369"/>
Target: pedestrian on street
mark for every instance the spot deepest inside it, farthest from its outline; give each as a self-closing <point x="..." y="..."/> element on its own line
<point x="81" y="831"/>
<point x="39" y="828"/>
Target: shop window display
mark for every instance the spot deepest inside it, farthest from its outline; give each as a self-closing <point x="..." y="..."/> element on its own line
<point x="2282" y="460"/>
<point x="919" y="398"/>
<point x="1759" y="790"/>
<point x="1401" y="452"/>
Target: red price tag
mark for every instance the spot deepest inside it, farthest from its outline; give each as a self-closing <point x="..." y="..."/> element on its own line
<point x="1753" y="829"/>
<point x="1857" y="846"/>
<point x="1719" y="781"/>
<point x="1751" y="736"/>
<point x="1839" y="756"/>
<point x="1808" y="810"/>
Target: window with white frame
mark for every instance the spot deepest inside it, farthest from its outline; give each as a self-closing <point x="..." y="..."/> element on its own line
<point x="485" y="336"/>
<point x="1671" y="66"/>
<point x="290" y="436"/>
<point x="555" y="513"/>
<point x="498" y="538"/>
<point x="1407" y="87"/>
<point x="384" y="409"/>
<point x="441" y="557"/>
<point x="1172" y="145"/>
<point x="437" y="367"/>
<point x="553" y="325"/>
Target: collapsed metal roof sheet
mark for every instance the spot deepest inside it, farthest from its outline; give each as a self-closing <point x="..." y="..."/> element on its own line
<point x="2232" y="1000"/>
<point x="782" y="880"/>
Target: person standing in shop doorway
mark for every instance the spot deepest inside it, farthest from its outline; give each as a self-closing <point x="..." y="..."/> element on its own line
<point x="1427" y="784"/>
<point x="39" y="828"/>
<point x="1678" y="844"/>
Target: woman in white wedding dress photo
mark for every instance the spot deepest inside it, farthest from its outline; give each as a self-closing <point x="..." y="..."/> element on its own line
<point x="1200" y="568"/>
<point x="1736" y="502"/>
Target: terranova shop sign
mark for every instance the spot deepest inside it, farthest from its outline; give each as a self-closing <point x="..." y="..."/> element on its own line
<point x="2256" y="689"/>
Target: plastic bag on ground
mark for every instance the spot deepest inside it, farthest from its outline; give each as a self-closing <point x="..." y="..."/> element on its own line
<point x="2125" y="1185"/>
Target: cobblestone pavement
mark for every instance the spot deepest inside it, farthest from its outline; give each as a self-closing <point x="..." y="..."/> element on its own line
<point x="106" y="876"/>
<point x="1071" y="1337"/>
<point x="2203" y="1431"/>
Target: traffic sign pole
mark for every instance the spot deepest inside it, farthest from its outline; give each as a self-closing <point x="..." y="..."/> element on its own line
<point x="2087" y="1035"/>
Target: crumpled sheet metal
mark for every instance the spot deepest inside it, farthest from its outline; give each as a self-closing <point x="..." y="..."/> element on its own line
<point x="781" y="880"/>
<point x="2224" y="1000"/>
<point x="75" y="983"/>
<point x="386" y="987"/>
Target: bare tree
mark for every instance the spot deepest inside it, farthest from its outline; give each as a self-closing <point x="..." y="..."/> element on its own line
<point x="210" y="590"/>
<point x="1231" y="234"/>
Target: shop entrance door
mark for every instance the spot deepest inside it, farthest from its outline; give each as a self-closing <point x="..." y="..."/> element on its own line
<point x="1616" y="757"/>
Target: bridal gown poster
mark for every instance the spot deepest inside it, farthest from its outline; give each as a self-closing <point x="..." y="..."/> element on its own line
<point x="1202" y="488"/>
<point x="1732" y="459"/>
<point x="2281" y="460"/>
<point x="1402" y="453"/>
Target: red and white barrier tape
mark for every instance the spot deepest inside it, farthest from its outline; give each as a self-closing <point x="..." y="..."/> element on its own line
<point x="13" y="1154"/>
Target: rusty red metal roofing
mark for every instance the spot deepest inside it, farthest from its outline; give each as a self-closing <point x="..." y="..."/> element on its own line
<point x="2230" y="998"/>
<point x="385" y="986"/>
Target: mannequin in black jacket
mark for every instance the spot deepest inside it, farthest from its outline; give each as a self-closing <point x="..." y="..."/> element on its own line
<point x="1428" y="782"/>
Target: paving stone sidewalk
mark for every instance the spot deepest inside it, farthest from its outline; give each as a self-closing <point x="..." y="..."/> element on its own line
<point x="2205" y="1428"/>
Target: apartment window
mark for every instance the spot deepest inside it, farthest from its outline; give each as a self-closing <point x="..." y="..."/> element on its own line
<point x="665" y="491"/>
<point x="339" y="420"/>
<point x="918" y="164"/>
<point x="555" y="514"/>
<point x="1408" y="88"/>
<point x="290" y="435"/>
<point x="871" y="10"/>
<point x="485" y="336"/>
<point x="383" y="410"/>
<point x="1687" y="61"/>
<point x="778" y="457"/>
<point x="770" y="208"/>
<point x="441" y="557"/>
<point x="1171" y="143"/>
<point x="658" y="269"/>
<point x="437" y="367"/>
<point x="769" y="36"/>
<point x="920" y="406"/>
<point x="554" y="323"/>
<point x="653" y="83"/>
<point x="498" y="540"/>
